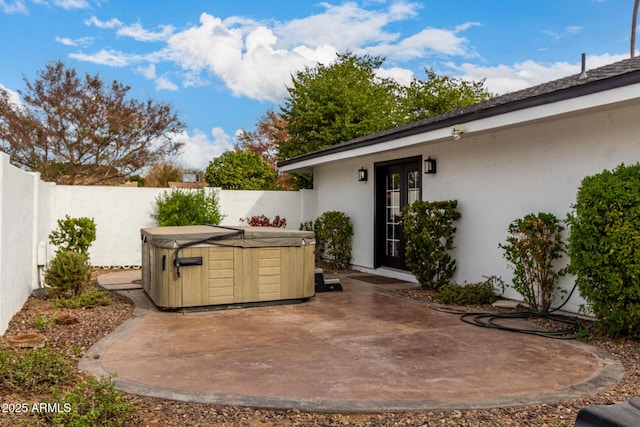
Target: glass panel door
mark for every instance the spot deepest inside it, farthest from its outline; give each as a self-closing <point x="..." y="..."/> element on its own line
<point x="397" y="185"/>
<point x="392" y="238"/>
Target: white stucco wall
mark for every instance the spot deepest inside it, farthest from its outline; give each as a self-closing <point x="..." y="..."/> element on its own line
<point x="24" y="220"/>
<point x="120" y="213"/>
<point x="496" y="177"/>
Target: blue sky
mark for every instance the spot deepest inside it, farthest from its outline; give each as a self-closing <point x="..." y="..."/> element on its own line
<point x="222" y="64"/>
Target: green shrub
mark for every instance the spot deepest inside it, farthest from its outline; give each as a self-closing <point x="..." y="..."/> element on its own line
<point x="429" y="232"/>
<point x="91" y="297"/>
<point x="472" y="293"/>
<point x="334" y="232"/>
<point x="68" y="272"/>
<point x="241" y="170"/>
<point x="187" y="207"/>
<point x="74" y="234"/>
<point x="604" y="247"/>
<point x="534" y="244"/>
<point x="91" y="403"/>
<point x="33" y="370"/>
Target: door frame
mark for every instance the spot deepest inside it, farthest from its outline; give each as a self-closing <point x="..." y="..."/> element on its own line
<point x="380" y="213"/>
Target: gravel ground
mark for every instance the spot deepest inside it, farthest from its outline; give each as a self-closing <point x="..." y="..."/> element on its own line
<point x="95" y="323"/>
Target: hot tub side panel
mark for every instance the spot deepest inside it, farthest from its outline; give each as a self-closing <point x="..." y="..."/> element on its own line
<point x="230" y="275"/>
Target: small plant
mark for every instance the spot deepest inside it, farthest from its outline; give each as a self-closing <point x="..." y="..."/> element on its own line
<point x="333" y="239"/>
<point x="308" y="226"/>
<point x="429" y="231"/>
<point x="68" y="272"/>
<point x="43" y="322"/>
<point x="473" y="293"/>
<point x="187" y="207"/>
<point x="533" y="246"/>
<point x="33" y="370"/>
<point x="74" y="234"/>
<point x="92" y="402"/>
<point x="265" y="221"/>
<point x="91" y="297"/>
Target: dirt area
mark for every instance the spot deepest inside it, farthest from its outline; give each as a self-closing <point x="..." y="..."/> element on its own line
<point x="75" y="337"/>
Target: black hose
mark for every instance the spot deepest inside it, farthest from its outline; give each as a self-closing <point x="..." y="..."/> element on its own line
<point x="489" y="320"/>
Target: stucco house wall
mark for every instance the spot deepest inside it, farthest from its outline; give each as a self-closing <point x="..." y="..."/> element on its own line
<point x="496" y="177"/>
<point x="520" y="153"/>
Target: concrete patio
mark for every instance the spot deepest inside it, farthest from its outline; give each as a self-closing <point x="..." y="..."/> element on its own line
<point x="360" y="350"/>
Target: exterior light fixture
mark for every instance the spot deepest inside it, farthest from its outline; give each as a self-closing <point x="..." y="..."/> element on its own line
<point x="362" y="174"/>
<point x="430" y="165"/>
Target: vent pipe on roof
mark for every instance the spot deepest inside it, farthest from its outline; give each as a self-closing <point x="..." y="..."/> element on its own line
<point x="583" y="74"/>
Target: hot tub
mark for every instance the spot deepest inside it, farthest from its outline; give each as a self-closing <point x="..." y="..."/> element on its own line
<point x="192" y="266"/>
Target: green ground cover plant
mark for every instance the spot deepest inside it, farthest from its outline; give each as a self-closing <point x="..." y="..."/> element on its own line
<point x="485" y="292"/>
<point x="33" y="370"/>
<point x="91" y="403"/>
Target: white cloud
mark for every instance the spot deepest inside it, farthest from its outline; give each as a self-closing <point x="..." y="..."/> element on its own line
<point x="137" y="32"/>
<point x="199" y="150"/>
<point x="509" y="78"/>
<point x="430" y="41"/>
<point x="72" y="4"/>
<point x="95" y="22"/>
<point x="568" y="31"/>
<point x="163" y="83"/>
<point x="112" y="58"/>
<point x="82" y="41"/>
<point x="16" y="6"/>
<point x="245" y="59"/>
<point x="256" y="59"/>
<point x="149" y="72"/>
<point x="400" y="75"/>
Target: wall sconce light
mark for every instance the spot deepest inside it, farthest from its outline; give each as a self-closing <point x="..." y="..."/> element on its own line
<point x="362" y="174"/>
<point x="457" y="131"/>
<point x="430" y="165"/>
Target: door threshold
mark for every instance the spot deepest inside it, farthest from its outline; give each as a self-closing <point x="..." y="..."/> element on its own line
<point x="393" y="273"/>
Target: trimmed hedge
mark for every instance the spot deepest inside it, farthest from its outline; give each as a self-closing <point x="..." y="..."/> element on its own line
<point x="604" y="246"/>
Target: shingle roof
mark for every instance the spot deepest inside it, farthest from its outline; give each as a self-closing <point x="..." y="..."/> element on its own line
<point x="610" y="76"/>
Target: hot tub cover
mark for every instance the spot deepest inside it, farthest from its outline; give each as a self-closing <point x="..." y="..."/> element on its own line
<point x="241" y="236"/>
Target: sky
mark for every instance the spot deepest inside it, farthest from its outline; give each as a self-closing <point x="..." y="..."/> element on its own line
<point x="222" y="65"/>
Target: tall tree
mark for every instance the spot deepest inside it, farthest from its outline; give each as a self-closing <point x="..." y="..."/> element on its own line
<point x="334" y="103"/>
<point x="270" y="129"/>
<point x="81" y="130"/>
<point x="330" y="104"/>
<point x="438" y="94"/>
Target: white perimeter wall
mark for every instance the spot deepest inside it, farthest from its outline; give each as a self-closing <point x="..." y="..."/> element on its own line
<point x="30" y="208"/>
<point x="25" y="216"/>
<point x="120" y="213"/>
<point x="496" y="178"/>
